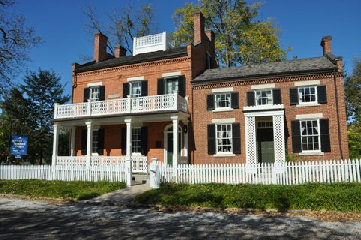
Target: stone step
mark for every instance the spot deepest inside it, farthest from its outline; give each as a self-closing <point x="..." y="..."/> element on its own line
<point x="140" y="178"/>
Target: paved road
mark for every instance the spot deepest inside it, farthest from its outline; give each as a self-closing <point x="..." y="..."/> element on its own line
<point x="21" y="219"/>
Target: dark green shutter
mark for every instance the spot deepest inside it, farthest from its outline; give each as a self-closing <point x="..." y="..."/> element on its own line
<point x="277" y="99"/>
<point x="293" y="96"/>
<point x="144" y="140"/>
<point x="125" y="90"/>
<point x="123" y="140"/>
<point x="325" y="135"/>
<point x="236" y="137"/>
<point x="211" y="139"/>
<point x="101" y="93"/>
<point x="210" y="102"/>
<point x="234" y="100"/>
<point x="83" y="142"/>
<point x="100" y="146"/>
<point x="181" y="86"/>
<point x="160" y="86"/>
<point x="321" y="94"/>
<point x="144" y="88"/>
<point x="296" y="136"/>
<point x="86" y="94"/>
<point x="250" y="98"/>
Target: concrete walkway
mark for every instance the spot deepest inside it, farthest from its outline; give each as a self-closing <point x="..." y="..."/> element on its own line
<point x="120" y="197"/>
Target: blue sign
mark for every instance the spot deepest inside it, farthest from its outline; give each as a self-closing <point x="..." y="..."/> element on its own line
<point x="19" y="145"/>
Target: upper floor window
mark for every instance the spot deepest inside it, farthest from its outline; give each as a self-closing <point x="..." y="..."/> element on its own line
<point x="94" y="94"/>
<point x="171" y="86"/>
<point x="224" y="138"/>
<point x="135" y="89"/>
<point x="307" y="94"/>
<point x="310" y="135"/>
<point x="222" y="100"/>
<point x="264" y="97"/>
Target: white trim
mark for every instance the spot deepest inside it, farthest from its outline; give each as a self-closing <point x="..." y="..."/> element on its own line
<point x="307" y="83"/>
<point x="165" y="138"/>
<point x="222" y="90"/>
<point x="96" y="84"/>
<point x="309" y="116"/>
<point x="264" y="114"/>
<point x="264" y="107"/>
<point x="311" y="153"/>
<point x="311" y="104"/>
<point x="171" y="74"/>
<point x="226" y="109"/>
<point x="111" y="96"/>
<point x="139" y="78"/>
<point x="220" y="154"/>
<point x="224" y="120"/>
<point x="263" y="86"/>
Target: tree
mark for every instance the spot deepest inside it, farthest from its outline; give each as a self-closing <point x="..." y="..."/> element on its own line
<point x="240" y="38"/>
<point x="353" y="93"/>
<point x="15" y="41"/>
<point x="354" y="140"/>
<point x="122" y="25"/>
<point x="42" y="90"/>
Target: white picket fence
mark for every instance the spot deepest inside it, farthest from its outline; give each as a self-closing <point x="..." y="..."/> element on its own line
<point x="287" y="174"/>
<point x="112" y="173"/>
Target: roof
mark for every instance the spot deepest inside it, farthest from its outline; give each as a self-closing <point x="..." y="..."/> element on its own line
<point x="298" y="66"/>
<point x="127" y="60"/>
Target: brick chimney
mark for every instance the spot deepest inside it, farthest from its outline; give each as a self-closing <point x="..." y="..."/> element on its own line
<point x="199" y="35"/>
<point x="326" y="45"/>
<point x="119" y="51"/>
<point x="100" y="47"/>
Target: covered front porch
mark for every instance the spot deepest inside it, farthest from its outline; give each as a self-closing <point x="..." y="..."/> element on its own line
<point x="116" y="140"/>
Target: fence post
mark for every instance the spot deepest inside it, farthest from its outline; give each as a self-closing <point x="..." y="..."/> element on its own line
<point x="154" y="180"/>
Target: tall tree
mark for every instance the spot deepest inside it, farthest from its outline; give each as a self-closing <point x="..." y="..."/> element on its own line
<point x="123" y="25"/>
<point x="240" y="37"/>
<point x="15" y="41"/>
<point x="43" y="89"/>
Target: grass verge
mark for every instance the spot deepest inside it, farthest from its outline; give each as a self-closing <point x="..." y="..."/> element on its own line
<point x="313" y="196"/>
<point x="58" y="189"/>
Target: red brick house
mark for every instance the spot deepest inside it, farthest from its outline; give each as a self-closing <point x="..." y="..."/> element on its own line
<point x="161" y="98"/>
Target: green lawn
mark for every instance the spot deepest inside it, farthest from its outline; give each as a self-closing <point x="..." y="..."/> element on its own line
<point x="58" y="189"/>
<point x="314" y="196"/>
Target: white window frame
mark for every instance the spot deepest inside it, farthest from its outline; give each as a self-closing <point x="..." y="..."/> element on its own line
<point x="257" y="98"/>
<point x="311" y="135"/>
<point x="95" y="142"/>
<point x="216" y="107"/>
<point x="132" y="84"/>
<point x="93" y="92"/>
<point x="300" y="102"/>
<point x="230" y="139"/>
<point x="166" y="80"/>
<point x="136" y="143"/>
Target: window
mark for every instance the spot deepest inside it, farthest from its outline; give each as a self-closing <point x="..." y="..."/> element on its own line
<point x="135" y="89"/>
<point x="307" y="95"/>
<point x="310" y="135"/>
<point x="171" y="86"/>
<point x="264" y="97"/>
<point x="224" y="138"/>
<point x="95" y="141"/>
<point x="136" y="140"/>
<point x="94" y="94"/>
<point x="222" y="100"/>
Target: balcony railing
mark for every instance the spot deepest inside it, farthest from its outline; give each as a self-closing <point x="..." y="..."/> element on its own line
<point x="150" y="43"/>
<point x="147" y="104"/>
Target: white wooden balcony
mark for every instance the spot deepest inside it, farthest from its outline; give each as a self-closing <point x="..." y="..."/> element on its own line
<point x="147" y="104"/>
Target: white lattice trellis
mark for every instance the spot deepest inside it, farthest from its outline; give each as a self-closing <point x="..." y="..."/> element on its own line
<point x="251" y="153"/>
<point x="279" y="140"/>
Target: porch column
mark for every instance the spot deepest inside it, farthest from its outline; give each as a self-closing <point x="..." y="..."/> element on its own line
<point x="128" y="149"/>
<point x="72" y="142"/>
<point x="279" y="138"/>
<point x="251" y="151"/>
<point x="175" y="144"/>
<point x="55" y="144"/>
<point x="89" y="142"/>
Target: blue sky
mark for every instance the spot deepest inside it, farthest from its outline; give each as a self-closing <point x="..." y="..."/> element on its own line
<point x="302" y="25"/>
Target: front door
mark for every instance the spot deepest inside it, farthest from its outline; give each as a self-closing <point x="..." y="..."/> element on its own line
<point x="265" y="145"/>
<point x="170" y="147"/>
